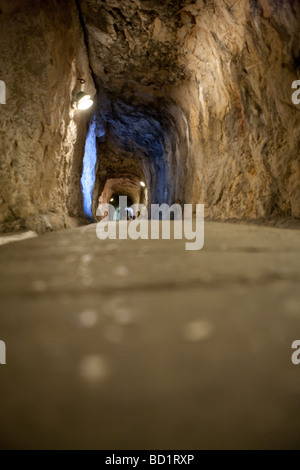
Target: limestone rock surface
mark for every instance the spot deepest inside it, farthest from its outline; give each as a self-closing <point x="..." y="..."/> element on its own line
<point x="41" y="135"/>
<point x="216" y="77"/>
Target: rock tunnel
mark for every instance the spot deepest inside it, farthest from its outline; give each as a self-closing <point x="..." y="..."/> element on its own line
<point x="122" y="343"/>
<point x="184" y="98"/>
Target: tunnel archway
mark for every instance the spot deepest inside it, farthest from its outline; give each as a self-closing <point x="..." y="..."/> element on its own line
<point x="140" y="143"/>
<point x="129" y="186"/>
<point x="114" y="200"/>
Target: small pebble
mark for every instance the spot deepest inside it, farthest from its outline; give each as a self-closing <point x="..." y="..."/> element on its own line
<point x="86" y="258"/>
<point x="122" y="271"/>
<point x="88" y="318"/>
<point x="200" y="330"/>
<point x="93" y="368"/>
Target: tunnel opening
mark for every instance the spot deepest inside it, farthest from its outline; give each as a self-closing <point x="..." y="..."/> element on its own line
<point x="126" y="186"/>
<point x="115" y="200"/>
<point x="140" y="149"/>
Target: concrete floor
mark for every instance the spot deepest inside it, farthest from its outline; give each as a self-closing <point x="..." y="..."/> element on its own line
<point x="141" y="344"/>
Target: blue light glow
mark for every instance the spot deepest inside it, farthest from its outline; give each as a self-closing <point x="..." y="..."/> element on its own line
<point x="88" y="173"/>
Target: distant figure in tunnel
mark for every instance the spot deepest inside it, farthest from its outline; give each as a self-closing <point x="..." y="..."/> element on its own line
<point x="130" y="213"/>
<point x="117" y="214"/>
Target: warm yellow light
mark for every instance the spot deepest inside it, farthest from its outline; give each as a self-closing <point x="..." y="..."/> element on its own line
<point x="143" y="184"/>
<point x="84" y="101"/>
<point x="112" y="200"/>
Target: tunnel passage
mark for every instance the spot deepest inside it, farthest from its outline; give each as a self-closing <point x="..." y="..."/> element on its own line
<point x="207" y="85"/>
<point x="131" y="187"/>
<point x="135" y="144"/>
<point x="116" y="197"/>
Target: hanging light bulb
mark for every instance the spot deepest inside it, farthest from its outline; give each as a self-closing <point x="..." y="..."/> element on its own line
<point x="84" y="101"/>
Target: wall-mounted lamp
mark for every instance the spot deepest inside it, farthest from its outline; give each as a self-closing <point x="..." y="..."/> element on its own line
<point x="143" y="184"/>
<point x="83" y="100"/>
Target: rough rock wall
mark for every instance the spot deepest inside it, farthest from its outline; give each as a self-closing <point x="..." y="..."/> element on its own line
<point x="41" y="136"/>
<point x="244" y="127"/>
<point x="220" y="73"/>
